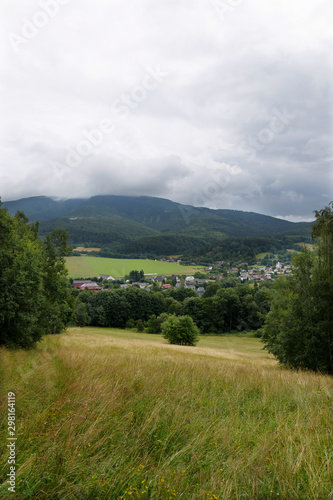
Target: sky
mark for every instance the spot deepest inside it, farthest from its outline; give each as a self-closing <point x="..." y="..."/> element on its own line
<point x="215" y="103"/>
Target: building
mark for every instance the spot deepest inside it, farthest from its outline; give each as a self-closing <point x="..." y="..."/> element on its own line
<point x="91" y="286"/>
<point x="79" y="283"/>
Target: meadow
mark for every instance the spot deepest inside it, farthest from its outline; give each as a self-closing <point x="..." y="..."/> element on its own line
<point x="112" y="414"/>
<point x="87" y="267"/>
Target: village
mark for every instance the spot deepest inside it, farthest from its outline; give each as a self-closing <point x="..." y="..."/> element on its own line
<point x="198" y="282"/>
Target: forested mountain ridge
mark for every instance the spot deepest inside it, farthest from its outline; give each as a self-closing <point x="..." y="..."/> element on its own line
<point x="122" y="221"/>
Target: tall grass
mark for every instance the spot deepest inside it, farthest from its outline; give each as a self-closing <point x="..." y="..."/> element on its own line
<point x="105" y="417"/>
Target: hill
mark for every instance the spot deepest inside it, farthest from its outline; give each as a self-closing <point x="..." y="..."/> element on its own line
<point x="132" y="225"/>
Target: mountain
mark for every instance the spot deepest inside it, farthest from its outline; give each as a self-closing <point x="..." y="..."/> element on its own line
<point x="131" y="224"/>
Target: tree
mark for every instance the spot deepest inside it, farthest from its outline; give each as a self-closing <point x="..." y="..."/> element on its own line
<point x="35" y="299"/>
<point x="211" y="290"/>
<point x="80" y="314"/>
<point x="136" y="275"/>
<point x="154" y="323"/>
<point x="299" y="328"/>
<point x="228" y="307"/>
<point x="140" y="326"/>
<point x="21" y="281"/>
<point x="58" y="303"/>
<point x="180" y="330"/>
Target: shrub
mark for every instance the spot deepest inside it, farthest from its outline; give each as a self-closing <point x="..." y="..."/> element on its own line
<point x="130" y="324"/>
<point x="180" y="330"/>
<point x="154" y="323"/>
<point x="140" y="326"/>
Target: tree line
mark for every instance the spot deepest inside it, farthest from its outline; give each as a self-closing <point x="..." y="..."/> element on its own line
<point x="219" y="310"/>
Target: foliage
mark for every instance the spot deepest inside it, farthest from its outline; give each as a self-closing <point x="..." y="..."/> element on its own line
<point x="140" y="326"/>
<point x="58" y="303"/>
<point x="299" y="327"/>
<point x="180" y="330"/>
<point x="80" y="315"/>
<point x="34" y="299"/>
<point x="21" y="282"/>
<point x="211" y="290"/>
<point x="154" y="323"/>
<point x="234" y="308"/>
<point x="180" y="294"/>
<point x="136" y="276"/>
<point x="130" y="324"/>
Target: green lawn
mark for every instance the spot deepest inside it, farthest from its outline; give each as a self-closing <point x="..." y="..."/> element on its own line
<point x="87" y="267"/>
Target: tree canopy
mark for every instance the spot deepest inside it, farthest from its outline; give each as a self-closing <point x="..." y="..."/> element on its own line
<point x="180" y="330"/>
<point x="299" y="327"/>
<point x="34" y="298"/>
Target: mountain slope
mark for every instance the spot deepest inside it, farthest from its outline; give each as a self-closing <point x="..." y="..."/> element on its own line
<point x="117" y="221"/>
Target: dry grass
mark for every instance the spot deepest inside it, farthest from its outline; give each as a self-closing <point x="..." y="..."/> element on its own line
<point x="104" y="416"/>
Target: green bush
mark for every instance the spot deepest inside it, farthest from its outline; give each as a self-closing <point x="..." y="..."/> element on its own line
<point x="180" y="330"/>
<point x="140" y="326"/>
<point x="154" y="323"/>
<point x="130" y="324"/>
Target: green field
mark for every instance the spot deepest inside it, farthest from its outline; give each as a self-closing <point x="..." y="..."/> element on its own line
<point x="87" y="267"/>
<point x="109" y="414"/>
<point x="262" y="255"/>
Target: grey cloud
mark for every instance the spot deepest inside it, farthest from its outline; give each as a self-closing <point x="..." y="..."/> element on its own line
<point x="226" y="80"/>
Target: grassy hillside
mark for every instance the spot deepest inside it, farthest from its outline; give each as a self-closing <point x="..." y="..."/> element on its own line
<point x="102" y="414"/>
<point x="84" y="267"/>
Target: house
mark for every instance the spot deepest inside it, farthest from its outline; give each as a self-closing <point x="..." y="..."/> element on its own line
<point x="189" y="279"/>
<point x="200" y="290"/>
<point x="91" y="286"/>
<point x="105" y="277"/>
<point x="192" y="287"/>
<point x="159" y="279"/>
<point x="79" y="283"/>
<point x="166" y="286"/>
<point x="140" y="285"/>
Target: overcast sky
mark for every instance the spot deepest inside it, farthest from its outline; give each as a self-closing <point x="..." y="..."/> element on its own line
<point x="216" y="103"/>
